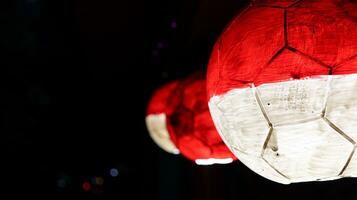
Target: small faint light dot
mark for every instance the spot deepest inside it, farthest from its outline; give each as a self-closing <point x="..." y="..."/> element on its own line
<point x="86" y="186"/>
<point x="61" y="183"/>
<point x="114" y="172"/>
<point x="99" y="180"/>
<point x="173" y="24"/>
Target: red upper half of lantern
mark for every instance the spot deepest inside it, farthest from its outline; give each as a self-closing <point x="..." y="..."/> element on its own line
<point x="273" y="41"/>
<point x="189" y="122"/>
<point x="159" y="101"/>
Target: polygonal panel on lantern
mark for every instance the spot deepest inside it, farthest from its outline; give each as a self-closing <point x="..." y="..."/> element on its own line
<point x="325" y="151"/>
<point x="294" y="101"/>
<point x="241" y="46"/>
<point x="242" y="120"/>
<point x="351" y="168"/>
<point x="322" y="30"/>
<point x="289" y="65"/>
<point x="341" y="107"/>
<point x="261" y="167"/>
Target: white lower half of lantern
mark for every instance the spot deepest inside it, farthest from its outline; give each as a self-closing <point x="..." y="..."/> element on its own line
<point x="156" y="124"/>
<point x="292" y="131"/>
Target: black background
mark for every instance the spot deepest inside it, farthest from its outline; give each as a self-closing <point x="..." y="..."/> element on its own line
<point x="75" y="80"/>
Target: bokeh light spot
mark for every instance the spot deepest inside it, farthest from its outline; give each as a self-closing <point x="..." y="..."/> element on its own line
<point x="114" y="172"/>
<point x="86" y="186"/>
<point x="99" y="180"/>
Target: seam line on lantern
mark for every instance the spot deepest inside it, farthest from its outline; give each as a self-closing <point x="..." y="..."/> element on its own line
<point x="240" y="151"/>
<point x="327" y="93"/>
<point x="345" y="61"/>
<point x="266" y="141"/>
<point x="276" y="169"/>
<point x="275" y="55"/>
<point x="294" y="4"/>
<point x="262" y="109"/>
<point x="330" y="71"/>
<point x="348" y="161"/>
<point x="247" y="154"/>
<point x="298" y="121"/>
<point x="309" y="57"/>
<point x="338" y="130"/>
<point x="286" y="42"/>
<point x="260" y="104"/>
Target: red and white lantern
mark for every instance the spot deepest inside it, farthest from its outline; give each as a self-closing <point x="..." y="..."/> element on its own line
<point x="187" y="120"/>
<point x="282" y="87"/>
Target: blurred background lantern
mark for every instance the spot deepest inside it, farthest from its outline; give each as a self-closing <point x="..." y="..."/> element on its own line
<point x="180" y="109"/>
<point x="157" y="110"/>
<point x="282" y="81"/>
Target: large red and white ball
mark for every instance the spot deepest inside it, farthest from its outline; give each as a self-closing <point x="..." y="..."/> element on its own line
<point x="282" y="84"/>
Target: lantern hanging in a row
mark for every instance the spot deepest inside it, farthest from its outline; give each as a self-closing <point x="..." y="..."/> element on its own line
<point x="282" y="84"/>
<point x="188" y="121"/>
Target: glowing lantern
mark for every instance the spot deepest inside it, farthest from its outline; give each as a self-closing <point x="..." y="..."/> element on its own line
<point x="282" y="84"/>
<point x="189" y="123"/>
<point x="157" y="111"/>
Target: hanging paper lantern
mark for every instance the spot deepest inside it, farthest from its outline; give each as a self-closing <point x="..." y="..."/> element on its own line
<point x="188" y="121"/>
<point x="157" y="111"/>
<point x="191" y="127"/>
<point x="282" y="84"/>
